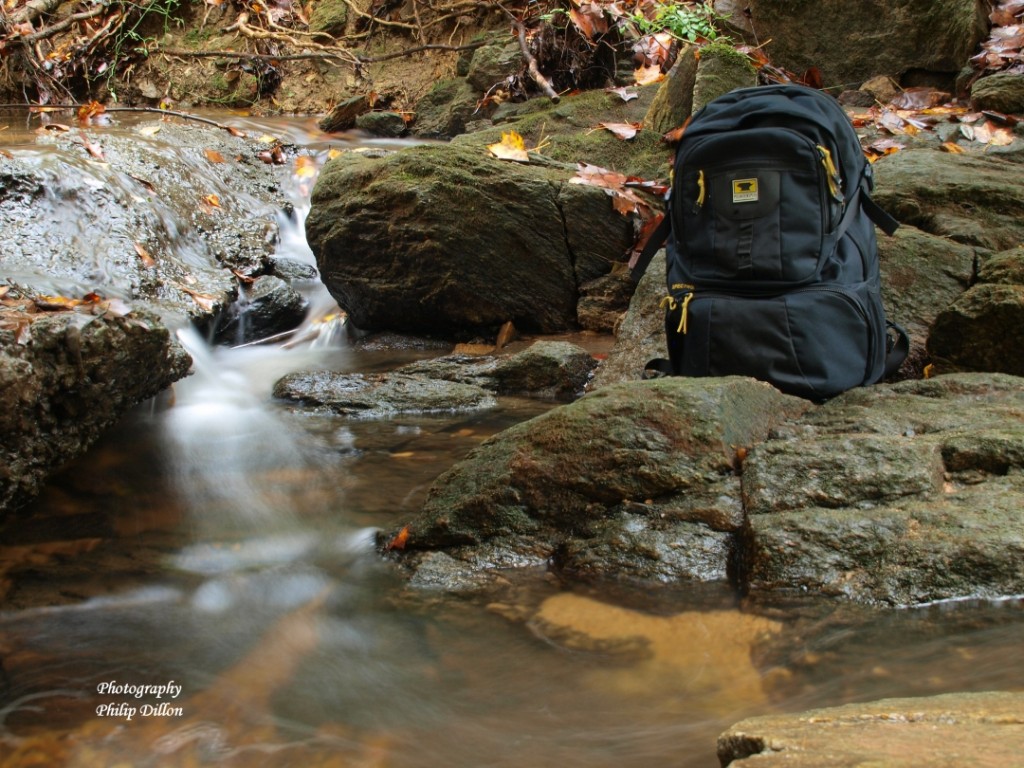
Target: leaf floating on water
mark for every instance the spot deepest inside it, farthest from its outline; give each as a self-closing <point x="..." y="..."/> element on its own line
<point x="511" y="147"/>
<point x="238" y="134"/>
<point x="211" y="202"/>
<point x="305" y="167"/>
<point x="214" y="156"/>
<point x="150" y="130"/>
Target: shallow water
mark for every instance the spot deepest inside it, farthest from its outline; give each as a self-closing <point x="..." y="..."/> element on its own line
<point x="224" y="543"/>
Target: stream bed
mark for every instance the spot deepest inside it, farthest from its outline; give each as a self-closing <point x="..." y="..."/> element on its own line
<point x="203" y="588"/>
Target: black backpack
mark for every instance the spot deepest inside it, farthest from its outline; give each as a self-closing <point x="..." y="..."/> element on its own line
<point x="771" y="250"/>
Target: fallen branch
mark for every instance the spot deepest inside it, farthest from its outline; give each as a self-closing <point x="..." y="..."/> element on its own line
<point x="419" y="49"/>
<point x="531" y="63"/>
<point x="34" y="9"/>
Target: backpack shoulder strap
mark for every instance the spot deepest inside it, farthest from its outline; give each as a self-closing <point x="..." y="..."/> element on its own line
<point x="654" y="243"/>
<point x="897" y="348"/>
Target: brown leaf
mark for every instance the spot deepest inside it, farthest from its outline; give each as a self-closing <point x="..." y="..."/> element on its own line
<point x="93" y="149"/>
<point x="952" y="147"/>
<point x="147" y="261"/>
<point x="87" y="112"/>
<point x="214" y="156"/>
<point x="623" y="131"/>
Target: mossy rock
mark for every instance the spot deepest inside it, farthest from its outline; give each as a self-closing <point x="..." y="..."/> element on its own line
<point x="329" y="17"/>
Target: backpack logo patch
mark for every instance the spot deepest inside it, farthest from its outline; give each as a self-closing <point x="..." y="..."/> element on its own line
<point x="744" y="190"/>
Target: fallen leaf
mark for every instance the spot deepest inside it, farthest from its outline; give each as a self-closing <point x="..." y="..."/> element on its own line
<point x="149" y="130"/>
<point x="399" y="540"/>
<point x="147" y="261"/>
<point x="212" y="200"/>
<point x="204" y="300"/>
<point x="648" y="74"/>
<point x="305" y="167"/>
<point x="952" y="147"/>
<point x="511" y="147"/>
<point x="623" y="131"/>
<point x="95" y="150"/>
<point x="88" y="111"/>
<point x="624" y="93"/>
<point x="214" y="156"/>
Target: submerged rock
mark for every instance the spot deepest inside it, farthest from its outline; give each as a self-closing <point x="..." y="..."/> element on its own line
<point x="380" y="395"/>
<point x="955" y="729"/>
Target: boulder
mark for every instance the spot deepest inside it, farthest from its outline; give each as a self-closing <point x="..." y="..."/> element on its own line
<point x="635" y="478"/>
<point x="969" y="198"/>
<point x="65" y="377"/>
<point x="893" y="495"/>
<point x="999" y="92"/>
<point x="945" y="731"/>
<point x="448" y="240"/>
<point x="850" y="42"/>
<point x="981" y="330"/>
<point x="182" y="172"/>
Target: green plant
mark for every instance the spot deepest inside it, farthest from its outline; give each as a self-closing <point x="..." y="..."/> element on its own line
<point x="127" y="37"/>
<point x="684" y="21"/>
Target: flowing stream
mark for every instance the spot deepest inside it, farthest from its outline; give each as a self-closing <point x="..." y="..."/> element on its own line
<point x="202" y="587"/>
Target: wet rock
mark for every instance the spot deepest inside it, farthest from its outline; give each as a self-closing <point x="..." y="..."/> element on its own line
<point x="621" y="461"/>
<point x="443" y="240"/>
<point x="971" y="199"/>
<point x="978" y="729"/>
<point x="981" y="329"/>
<point x="544" y="369"/>
<point x="65" y="377"/>
<point x="387" y="124"/>
<point x="446" y="109"/>
<point x="894" y="495"/>
<point x="603" y="301"/>
<point x="375" y="396"/>
<point x="269" y="307"/>
<point x="84" y="219"/>
<point x="852" y="42"/>
<point x="293" y="270"/>
<point x="999" y="92"/>
<point x="640" y="336"/>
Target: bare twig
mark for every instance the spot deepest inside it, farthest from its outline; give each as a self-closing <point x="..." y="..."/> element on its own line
<point x="531" y="63"/>
<point x="63" y="24"/>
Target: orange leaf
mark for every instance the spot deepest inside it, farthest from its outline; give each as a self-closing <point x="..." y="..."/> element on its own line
<point x="212" y="200"/>
<point x="952" y="147"/>
<point x="214" y="156"/>
<point x="305" y="166"/>
<point x="399" y="540"/>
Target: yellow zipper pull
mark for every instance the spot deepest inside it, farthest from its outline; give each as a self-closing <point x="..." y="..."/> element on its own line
<point x="700" y="188"/>
<point x="834" y="182"/>
<point x="682" y="312"/>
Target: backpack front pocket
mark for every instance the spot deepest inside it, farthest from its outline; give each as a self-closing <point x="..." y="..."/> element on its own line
<point x="812" y="342"/>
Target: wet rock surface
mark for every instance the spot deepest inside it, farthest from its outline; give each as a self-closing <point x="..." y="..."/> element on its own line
<point x="65" y="377"/>
<point x="983" y="729"/>
<point x="380" y="395"/>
